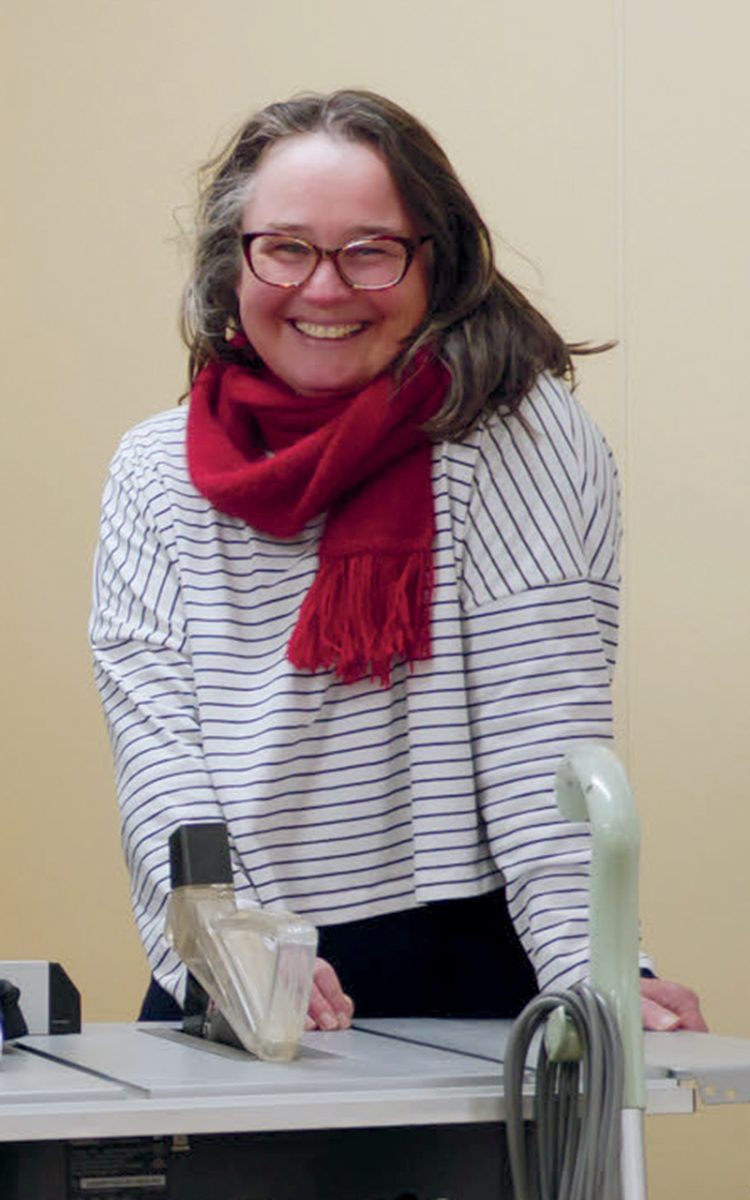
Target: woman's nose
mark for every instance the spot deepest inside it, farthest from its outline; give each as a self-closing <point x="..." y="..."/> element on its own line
<point x="325" y="284"/>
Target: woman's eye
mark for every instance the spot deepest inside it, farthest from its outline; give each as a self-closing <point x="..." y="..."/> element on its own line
<point x="360" y="253"/>
<point x="281" y="249"/>
<point x="285" y="250"/>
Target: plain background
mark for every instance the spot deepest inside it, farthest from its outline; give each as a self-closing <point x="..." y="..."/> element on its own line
<point x="606" y="145"/>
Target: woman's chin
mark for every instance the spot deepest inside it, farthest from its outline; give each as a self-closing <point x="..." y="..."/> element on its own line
<point x="329" y="384"/>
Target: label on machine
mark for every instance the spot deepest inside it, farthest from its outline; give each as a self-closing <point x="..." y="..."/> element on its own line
<point x="121" y="1169"/>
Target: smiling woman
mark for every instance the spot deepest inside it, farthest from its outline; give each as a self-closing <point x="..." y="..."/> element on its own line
<point x="359" y="600"/>
<point x="324" y="334"/>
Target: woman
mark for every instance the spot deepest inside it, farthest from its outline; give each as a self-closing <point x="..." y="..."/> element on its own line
<point x="362" y="596"/>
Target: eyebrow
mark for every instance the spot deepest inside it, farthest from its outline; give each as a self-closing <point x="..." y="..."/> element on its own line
<point x="355" y="231"/>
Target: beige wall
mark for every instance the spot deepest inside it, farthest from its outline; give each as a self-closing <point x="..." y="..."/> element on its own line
<point x="606" y="143"/>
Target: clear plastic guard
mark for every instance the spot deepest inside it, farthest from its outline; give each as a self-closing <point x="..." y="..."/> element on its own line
<point x="255" y="963"/>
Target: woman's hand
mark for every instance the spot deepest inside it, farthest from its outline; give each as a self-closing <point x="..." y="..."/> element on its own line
<point x="329" y="1007"/>
<point x="666" y="1006"/>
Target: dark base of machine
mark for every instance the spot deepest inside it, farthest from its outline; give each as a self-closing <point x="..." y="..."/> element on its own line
<point x="447" y="1162"/>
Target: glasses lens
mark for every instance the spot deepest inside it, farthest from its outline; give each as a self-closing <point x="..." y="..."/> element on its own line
<point x="278" y="259"/>
<point x="374" y="262"/>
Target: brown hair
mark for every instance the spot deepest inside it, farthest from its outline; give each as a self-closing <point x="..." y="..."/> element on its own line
<point x="491" y="338"/>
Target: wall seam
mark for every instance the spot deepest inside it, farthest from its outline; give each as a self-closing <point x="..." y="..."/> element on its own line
<point x="621" y="325"/>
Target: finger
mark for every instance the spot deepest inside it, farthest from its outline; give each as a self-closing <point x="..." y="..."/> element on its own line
<point x="320" y="1011"/>
<point x="656" y="1018"/>
<point x="327" y="980"/>
<point x="678" y="999"/>
<point x="691" y="1017"/>
<point x="346" y="1008"/>
<point x="331" y="993"/>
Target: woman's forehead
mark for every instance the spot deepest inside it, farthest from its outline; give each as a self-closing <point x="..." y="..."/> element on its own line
<point x="312" y="177"/>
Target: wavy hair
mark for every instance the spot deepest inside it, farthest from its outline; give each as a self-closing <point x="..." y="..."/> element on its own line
<point x="491" y="338"/>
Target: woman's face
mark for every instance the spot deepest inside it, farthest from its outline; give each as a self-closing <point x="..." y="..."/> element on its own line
<point x="324" y="336"/>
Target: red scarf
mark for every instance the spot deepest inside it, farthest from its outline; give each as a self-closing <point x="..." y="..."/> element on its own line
<point x="361" y="459"/>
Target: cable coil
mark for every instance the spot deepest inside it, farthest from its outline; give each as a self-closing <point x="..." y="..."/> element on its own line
<point x="573" y="1150"/>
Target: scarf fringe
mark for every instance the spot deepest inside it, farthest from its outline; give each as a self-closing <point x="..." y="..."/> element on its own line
<point x="363" y="612"/>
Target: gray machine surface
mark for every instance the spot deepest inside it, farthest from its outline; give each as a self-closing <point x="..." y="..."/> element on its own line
<point x="390" y="1110"/>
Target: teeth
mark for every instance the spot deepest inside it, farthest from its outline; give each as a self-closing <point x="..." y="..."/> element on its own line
<point x="327" y="331"/>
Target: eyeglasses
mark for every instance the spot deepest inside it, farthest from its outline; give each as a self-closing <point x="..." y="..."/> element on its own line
<point x="368" y="264"/>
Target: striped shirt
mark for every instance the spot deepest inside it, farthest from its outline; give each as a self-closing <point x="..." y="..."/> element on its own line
<point x="349" y="801"/>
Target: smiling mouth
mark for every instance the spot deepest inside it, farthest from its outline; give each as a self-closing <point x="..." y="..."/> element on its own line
<point x="330" y="333"/>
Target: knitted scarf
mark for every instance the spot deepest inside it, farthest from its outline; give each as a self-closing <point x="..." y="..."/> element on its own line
<point x="362" y="460"/>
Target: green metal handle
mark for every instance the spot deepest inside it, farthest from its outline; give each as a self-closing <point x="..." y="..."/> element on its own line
<point x="592" y="786"/>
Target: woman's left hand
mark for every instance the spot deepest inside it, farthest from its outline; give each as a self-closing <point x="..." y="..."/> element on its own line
<point x="666" y="1006"/>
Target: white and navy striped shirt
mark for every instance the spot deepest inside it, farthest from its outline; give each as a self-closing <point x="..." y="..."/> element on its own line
<point x="348" y="801"/>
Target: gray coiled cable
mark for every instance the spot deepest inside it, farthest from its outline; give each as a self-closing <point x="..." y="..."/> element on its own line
<point x="573" y="1150"/>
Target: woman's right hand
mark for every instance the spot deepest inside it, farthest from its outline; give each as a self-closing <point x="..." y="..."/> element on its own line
<point x="329" y="1008"/>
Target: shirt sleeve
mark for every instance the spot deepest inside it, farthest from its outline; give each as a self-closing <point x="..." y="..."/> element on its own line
<point x="540" y="605"/>
<point x="145" y="678"/>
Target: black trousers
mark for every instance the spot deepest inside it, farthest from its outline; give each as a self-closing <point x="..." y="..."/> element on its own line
<point x="453" y="958"/>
